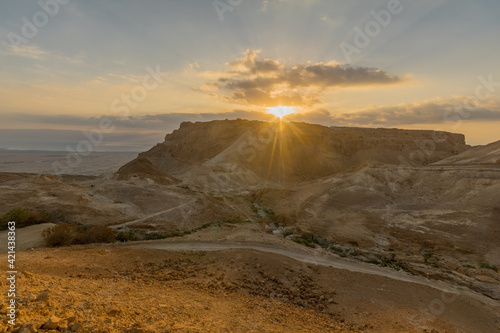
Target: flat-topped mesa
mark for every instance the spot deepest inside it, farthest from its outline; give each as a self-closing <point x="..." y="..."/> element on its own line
<point x="296" y="151"/>
<point x="434" y="144"/>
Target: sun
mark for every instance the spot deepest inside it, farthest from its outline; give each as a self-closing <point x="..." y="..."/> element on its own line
<point x="281" y="111"/>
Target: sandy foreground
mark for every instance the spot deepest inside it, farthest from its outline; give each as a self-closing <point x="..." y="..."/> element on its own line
<point x="118" y="289"/>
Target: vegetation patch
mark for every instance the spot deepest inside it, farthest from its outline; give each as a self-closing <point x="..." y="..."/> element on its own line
<point x="137" y="235"/>
<point x="70" y="234"/>
<point x="488" y="266"/>
<point x="303" y="241"/>
<point x="25" y="217"/>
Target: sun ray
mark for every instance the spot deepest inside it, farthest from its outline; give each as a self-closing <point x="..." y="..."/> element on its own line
<point x="296" y="131"/>
<point x="273" y="151"/>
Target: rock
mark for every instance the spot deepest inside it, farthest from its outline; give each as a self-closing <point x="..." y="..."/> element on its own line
<point x="27" y="274"/>
<point x="77" y="328"/>
<point x="27" y="328"/>
<point x="136" y="330"/>
<point x="486" y="279"/>
<point x="62" y="326"/>
<point x="43" y="296"/>
<point x="114" y="311"/>
<point x="278" y="233"/>
<point x="289" y="230"/>
<point x="52" y="324"/>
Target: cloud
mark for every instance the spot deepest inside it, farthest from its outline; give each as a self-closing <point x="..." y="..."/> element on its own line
<point x="267" y="82"/>
<point x="438" y="111"/>
<point x="142" y="131"/>
<point x="428" y="112"/>
<point x="27" y="51"/>
<point x="36" y="53"/>
<point x="133" y="133"/>
<point x="160" y="123"/>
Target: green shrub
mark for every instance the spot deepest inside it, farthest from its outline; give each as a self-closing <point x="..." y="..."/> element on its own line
<point x="427" y="255"/>
<point x="336" y="249"/>
<point x="488" y="266"/>
<point x="304" y="242"/>
<point x="156" y="235"/>
<point x="25" y="217"/>
<point x="126" y="236"/>
<point x="373" y="261"/>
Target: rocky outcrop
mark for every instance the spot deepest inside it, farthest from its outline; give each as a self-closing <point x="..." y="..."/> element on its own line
<point x="142" y="168"/>
<point x="296" y="151"/>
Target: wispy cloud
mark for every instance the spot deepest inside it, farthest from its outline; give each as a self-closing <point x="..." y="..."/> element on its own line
<point x="27" y="51"/>
<point x="36" y="53"/>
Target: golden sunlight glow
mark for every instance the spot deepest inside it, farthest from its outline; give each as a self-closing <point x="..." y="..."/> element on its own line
<point x="281" y="111"/>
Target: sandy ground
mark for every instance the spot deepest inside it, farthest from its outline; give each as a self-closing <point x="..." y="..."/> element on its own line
<point x="26" y="238"/>
<point x="113" y="289"/>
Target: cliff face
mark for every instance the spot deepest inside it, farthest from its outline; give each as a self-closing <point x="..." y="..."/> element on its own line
<point x="296" y="151"/>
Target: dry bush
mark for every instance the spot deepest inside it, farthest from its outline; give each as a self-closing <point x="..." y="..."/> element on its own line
<point x="60" y="235"/>
<point x="68" y="234"/>
<point x="96" y="234"/>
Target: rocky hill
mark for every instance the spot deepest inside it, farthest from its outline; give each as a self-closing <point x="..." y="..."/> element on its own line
<point x="291" y="151"/>
<point x="481" y="155"/>
<point x="142" y="168"/>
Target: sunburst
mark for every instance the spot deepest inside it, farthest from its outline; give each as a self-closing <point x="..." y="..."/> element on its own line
<point x="280" y="111"/>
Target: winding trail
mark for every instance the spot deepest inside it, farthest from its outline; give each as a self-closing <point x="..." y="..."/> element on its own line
<point x="311" y="258"/>
<point x="142" y="219"/>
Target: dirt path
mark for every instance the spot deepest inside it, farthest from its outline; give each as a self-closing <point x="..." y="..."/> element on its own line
<point x="142" y="219"/>
<point x="312" y="258"/>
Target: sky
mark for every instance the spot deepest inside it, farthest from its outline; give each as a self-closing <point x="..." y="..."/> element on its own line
<point x="142" y="67"/>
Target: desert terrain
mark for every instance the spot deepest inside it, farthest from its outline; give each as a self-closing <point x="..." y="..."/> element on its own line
<point x="250" y="226"/>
